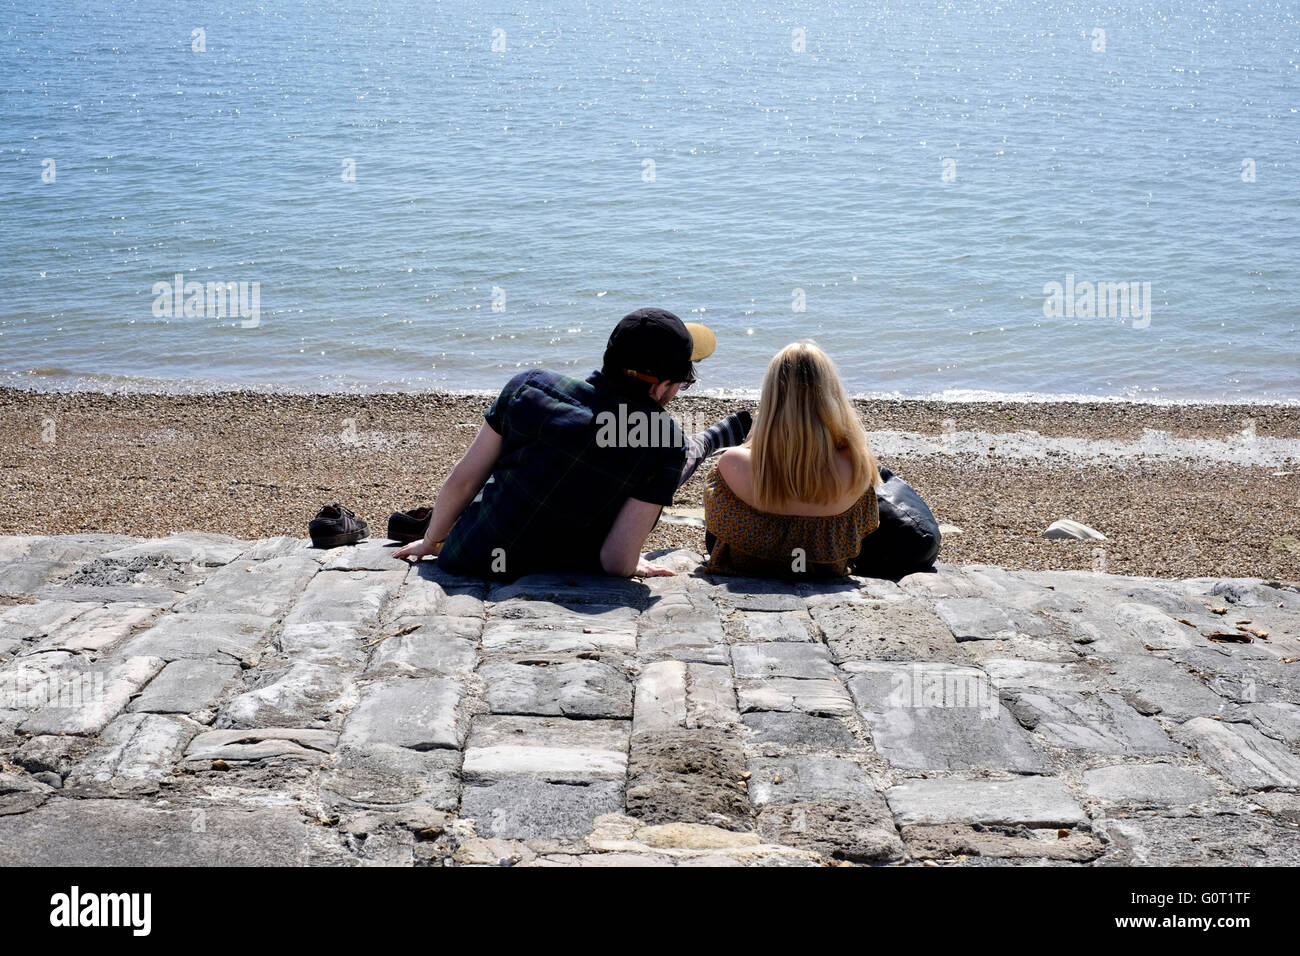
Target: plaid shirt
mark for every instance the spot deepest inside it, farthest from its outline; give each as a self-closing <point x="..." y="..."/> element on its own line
<point x="571" y="455"/>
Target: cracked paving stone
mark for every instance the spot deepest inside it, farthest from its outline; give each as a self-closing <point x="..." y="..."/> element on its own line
<point x="259" y="744"/>
<point x="1241" y="753"/>
<point x="99" y="628"/>
<point x="263" y="589"/>
<point x="1218" y="840"/>
<point x="418" y="712"/>
<point x="574" y="589"/>
<point x="382" y="775"/>
<point x="135" y="749"/>
<point x="445" y="646"/>
<point x="88" y="697"/>
<point x="935" y="716"/>
<point x="31" y="622"/>
<point x="682" y="625"/>
<point x="522" y="627"/>
<point x="861" y="831"/>
<point x="226" y="638"/>
<point x="1099" y="723"/>
<point x="579" y="688"/>
<point x="303" y="694"/>
<point x="550" y="749"/>
<point x="886" y="630"/>
<point x="20" y="793"/>
<point x="826" y="698"/>
<point x="1033" y="802"/>
<point x="980" y="619"/>
<point x="184" y="686"/>
<point x="352" y="597"/>
<point x="688" y="776"/>
<point x="808" y="778"/>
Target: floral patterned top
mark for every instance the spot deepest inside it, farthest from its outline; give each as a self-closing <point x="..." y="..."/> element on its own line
<point x="753" y="542"/>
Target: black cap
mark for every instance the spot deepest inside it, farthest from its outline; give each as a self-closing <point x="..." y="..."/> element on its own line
<point x="655" y="342"/>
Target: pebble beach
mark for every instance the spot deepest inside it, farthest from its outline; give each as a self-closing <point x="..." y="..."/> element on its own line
<point x="1178" y="490"/>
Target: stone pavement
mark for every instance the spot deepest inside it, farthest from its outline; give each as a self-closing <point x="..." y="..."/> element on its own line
<point x="202" y="700"/>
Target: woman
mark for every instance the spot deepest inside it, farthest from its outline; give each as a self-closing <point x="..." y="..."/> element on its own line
<point x="798" y="498"/>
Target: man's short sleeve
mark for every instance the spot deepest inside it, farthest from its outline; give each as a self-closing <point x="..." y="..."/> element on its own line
<point x="498" y="412"/>
<point x="659" y="485"/>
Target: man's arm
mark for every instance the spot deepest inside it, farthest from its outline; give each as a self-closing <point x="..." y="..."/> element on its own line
<point x="621" y="553"/>
<point x="464" y="482"/>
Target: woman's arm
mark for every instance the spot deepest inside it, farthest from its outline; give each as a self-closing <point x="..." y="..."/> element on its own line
<point x="464" y="482"/>
<point x="621" y="553"/>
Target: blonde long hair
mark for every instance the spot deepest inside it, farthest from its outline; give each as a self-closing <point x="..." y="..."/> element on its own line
<point x="804" y="418"/>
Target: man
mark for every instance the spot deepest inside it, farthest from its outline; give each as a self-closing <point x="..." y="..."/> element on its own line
<point x="574" y="472"/>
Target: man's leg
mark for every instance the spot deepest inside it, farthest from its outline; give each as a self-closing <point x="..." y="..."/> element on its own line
<point x="730" y="431"/>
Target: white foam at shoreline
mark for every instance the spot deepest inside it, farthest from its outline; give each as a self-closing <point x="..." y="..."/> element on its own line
<point x="1030" y="446"/>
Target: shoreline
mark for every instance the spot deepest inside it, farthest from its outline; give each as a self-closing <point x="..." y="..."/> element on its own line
<point x="257" y="465"/>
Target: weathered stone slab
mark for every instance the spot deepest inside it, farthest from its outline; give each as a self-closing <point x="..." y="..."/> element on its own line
<point x="1098" y="723"/>
<point x="74" y="549"/>
<point x="373" y="554"/>
<point x="265" y="589"/>
<point x="1243" y="840"/>
<point x="1132" y="628"/>
<point x="31" y="622"/>
<point x="303" y="694"/>
<point x="353" y="597"/>
<point x="99" y="628"/>
<point x="383" y="775"/>
<point x="135" y="749"/>
<point x="935" y="716"/>
<point x="66" y="832"/>
<point x="335" y="643"/>
<point x="559" y="751"/>
<point x="943" y="581"/>
<point x="1242" y="675"/>
<point x="574" y="589"/>
<point x="801" y="732"/>
<point x="530" y="809"/>
<point x="579" y="688"/>
<point x="184" y="686"/>
<point x="949" y="840"/>
<point x="757" y="594"/>
<point x="777" y="626"/>
<point x="1278" y="720"/>
<point x="682" y="625"/>
<point x="660" y="699"/>
<point x="52" y="753"/>
<point x="189" y="547"/>
<point x="710" y="696"/>
<point x="1149" y="784"/>
<point x="782" y="659"/>
<point x="806" y="778"/>
<point x="824" y="697"/>
<point x="15" y="546"/>
<point x="1024" y="801"/>
<point x="27" y="576"/>
<point x="1153" y="685"/>
<point x="96" y="694"/>
<point x="688" y="776"/>
<point x="520" y="627"/>
<point x="861" y="831"/>
<point x="259" y="744"/>
<point x="20" y="793"/>
<point x="980" y="619"/>
<point x="1009" y="673"/>
<point x="281" y="546"/>
<point x="441" y="645"/>
<point x="226" y="638"/>
<point x="886" y="630"/>
<point x="1241" y="753"/>
<point x="421" y="713"/>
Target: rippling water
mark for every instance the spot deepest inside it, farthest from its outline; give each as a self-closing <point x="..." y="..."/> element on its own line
<point x="912" y="178"/>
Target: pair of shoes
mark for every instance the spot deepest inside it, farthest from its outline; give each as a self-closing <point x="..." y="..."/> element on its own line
<point x="407" y="526"/>
<point x="334" y="525"/>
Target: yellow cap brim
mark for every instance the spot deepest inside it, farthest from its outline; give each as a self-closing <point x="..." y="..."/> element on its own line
<point x="703" y="341"/>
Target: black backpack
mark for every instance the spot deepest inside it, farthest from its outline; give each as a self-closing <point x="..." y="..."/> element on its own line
<point x="908" y="538"/>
